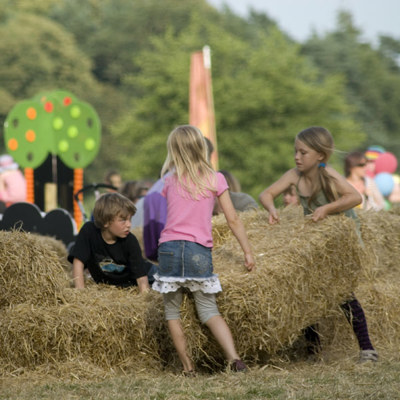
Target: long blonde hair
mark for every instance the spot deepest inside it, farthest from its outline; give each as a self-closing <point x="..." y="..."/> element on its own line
<point x="320" y="140"/>
<point x="188" y="158"/>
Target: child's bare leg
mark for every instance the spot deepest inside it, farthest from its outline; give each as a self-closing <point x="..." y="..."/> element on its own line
<point x="179" y="340"/>
<point x="222" y="333"/>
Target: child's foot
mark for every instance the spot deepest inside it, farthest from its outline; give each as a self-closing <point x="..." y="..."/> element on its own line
<point x="368" y="355"/>
<point x="238" y="366"/>
<point x="189" y="374"/>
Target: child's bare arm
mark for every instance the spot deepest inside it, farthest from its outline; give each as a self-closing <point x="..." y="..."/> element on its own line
<point x="77" y="273"/>
<point x="236" y="225"/>
<point x="349" y="198"/>
<point x="270" y="193"/>
<point x="143" y="284"/>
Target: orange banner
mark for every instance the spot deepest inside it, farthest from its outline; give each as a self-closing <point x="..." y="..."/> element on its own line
<point x="201" y="103"/>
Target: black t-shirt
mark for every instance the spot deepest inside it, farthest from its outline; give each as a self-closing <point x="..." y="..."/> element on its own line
<point x="118" y="264"/>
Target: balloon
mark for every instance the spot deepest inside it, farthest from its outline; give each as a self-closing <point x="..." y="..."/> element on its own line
<point x="386" y="162"/>
<point x="385" y="183"/>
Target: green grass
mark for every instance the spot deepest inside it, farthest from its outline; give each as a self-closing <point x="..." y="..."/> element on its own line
<point x="344" y="380"/>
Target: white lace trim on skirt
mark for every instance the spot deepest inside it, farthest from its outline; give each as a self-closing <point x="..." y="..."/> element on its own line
<point x="164" y="284"/>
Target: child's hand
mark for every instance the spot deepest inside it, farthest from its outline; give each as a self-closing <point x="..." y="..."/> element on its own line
<point x="319" y="214"/>
<point x="273" y="217"/>
<point x="249" y="262"/>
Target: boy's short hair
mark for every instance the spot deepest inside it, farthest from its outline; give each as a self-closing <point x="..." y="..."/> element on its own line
<point x="291" y="189"/>
<point x="111" y="205"/>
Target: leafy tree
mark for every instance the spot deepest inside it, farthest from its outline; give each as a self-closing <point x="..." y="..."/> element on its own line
<point x="38" y="7"/>
<point x="38" y="55"/>
<point x="112" y="33"/>
<point x="371" y="76"/>
<point x="263" y="94"/>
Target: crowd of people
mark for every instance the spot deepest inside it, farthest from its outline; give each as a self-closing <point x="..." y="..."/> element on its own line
<point x="176" y="213"/>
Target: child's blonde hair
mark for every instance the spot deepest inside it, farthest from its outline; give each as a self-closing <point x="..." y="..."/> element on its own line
<point x="111" y="205"/>
<point x="320" y="140"/>
<point x="188" y="158"/>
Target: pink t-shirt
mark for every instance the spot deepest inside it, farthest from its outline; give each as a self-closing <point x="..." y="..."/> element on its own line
<point x="189" y="219"/>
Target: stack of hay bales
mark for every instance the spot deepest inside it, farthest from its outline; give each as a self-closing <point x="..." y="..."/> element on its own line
<point x="45" y="322"/>
<point x="304" y="271"/>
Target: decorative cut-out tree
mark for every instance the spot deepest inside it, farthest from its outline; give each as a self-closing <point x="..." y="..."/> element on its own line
<point x="55" y="123"/>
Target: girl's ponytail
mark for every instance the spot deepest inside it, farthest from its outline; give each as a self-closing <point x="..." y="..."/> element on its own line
<point x="327" y="184"/>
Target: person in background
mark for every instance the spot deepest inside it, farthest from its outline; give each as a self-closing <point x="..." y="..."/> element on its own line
<point x="355" y="165"/>
<point x="108" y="249"/>
<point x="155" y="213"/>
<point x="185" y="260"/>
<point x="241" y="201"/>
<point x="290" y="196"/>
<point x="113" y="178"/>
<point x="136" y="191"/>
<point x="322" y="191"/>
<point x="129" y="190"/>
<point x="12" y="182"/>
<point x="372" y="153"/>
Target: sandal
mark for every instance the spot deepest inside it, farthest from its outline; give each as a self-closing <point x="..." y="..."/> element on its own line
<point x="368" y="355"/>
<point x="238" y="366"/>
<point x="189" y="374"/>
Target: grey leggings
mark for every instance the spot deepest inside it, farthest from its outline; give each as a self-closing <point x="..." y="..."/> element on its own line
<point x="206" y="305"/>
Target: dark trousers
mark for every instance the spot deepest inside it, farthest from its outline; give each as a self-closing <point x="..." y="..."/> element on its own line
<point x="355" y="315"/>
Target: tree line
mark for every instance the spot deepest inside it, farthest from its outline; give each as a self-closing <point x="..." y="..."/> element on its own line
<point x="130" y="59"/>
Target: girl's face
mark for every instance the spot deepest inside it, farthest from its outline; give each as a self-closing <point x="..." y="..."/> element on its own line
<point x="305" y="157"/>
<point x="119" y="227"/>
<point x="360" y="168"/>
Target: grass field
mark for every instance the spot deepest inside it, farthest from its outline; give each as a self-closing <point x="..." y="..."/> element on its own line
<point x="344" y="379"/>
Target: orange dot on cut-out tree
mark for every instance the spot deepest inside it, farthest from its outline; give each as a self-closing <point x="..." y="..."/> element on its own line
<point x="48" y="106"/>
<point x="67" y="101"/>
<point x="31" y="113"/>
<point x="30" y="135"/>
<point x="13" y="144"/>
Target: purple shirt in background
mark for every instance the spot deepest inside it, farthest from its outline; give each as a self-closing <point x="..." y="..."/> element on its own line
<point x="154" y="218"/>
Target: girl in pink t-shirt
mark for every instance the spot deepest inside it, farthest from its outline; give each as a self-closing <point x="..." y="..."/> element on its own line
<point x="185" y="247"/>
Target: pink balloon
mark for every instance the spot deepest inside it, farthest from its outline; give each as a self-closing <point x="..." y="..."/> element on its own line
<point x="386" y="162"/>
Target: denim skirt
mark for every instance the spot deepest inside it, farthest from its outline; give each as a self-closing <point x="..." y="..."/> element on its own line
<point x="185" y="264"/>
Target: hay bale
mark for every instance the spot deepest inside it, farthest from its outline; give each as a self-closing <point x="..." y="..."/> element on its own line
<point x="103" y="325"/>
<point x="29" y="270"/>
<point x="380" y="232"/>
<point x="59" y="247"/>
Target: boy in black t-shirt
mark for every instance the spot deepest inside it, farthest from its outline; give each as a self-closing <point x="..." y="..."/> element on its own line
<point x="108" y="249"/>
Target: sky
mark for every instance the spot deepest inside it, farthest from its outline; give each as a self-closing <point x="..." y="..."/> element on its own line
<point x="299" y="18"/>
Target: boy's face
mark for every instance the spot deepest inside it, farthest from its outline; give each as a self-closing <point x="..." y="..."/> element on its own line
<point x="290" y="198"/>
<point x="119" y="227"/>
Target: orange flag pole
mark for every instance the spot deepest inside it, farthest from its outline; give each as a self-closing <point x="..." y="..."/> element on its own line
<point x="78" y="185"/>
<point x="30" y="182"/>
<point x="201" y="102"/>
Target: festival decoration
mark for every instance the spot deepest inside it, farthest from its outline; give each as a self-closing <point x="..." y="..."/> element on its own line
<point x="385" y="183"/>
<point x="201" y="102"/>
<point x="386" y="162"/>
<point x="55" y="123"/>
